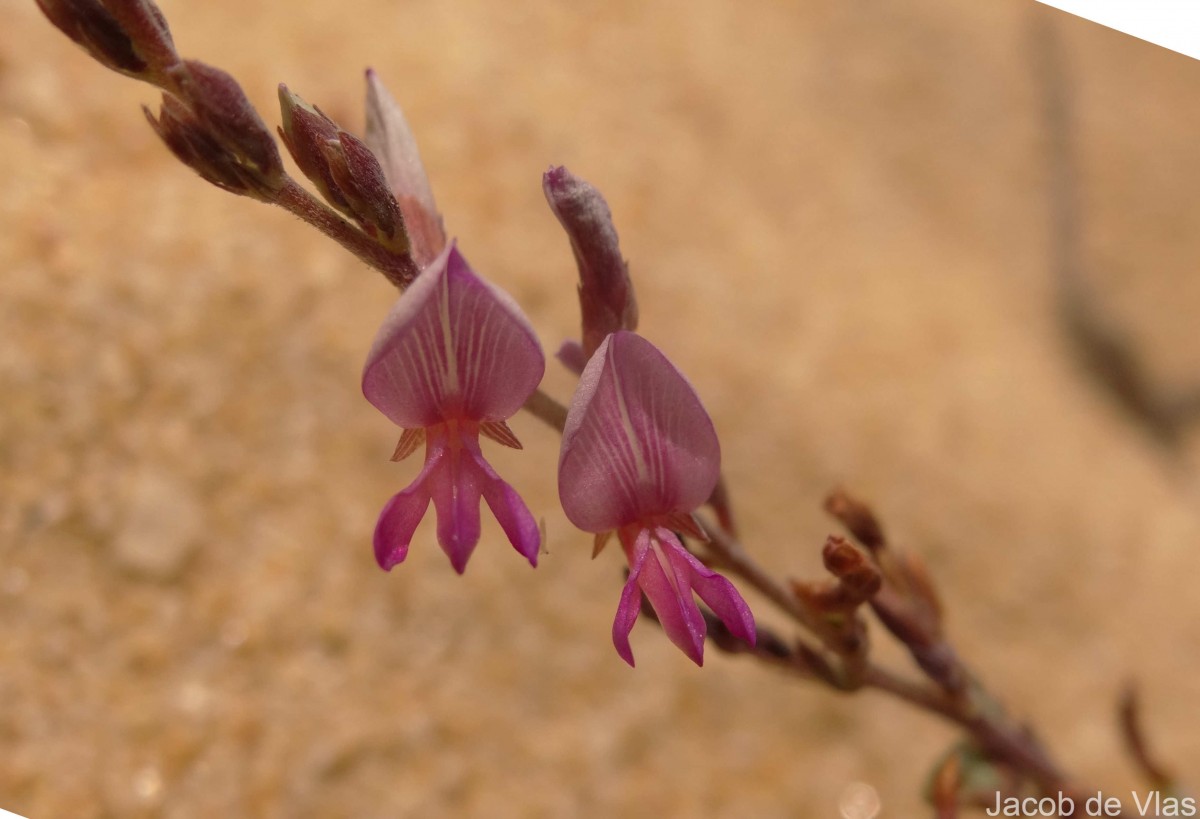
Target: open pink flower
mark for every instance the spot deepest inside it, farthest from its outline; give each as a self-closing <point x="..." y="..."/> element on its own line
<point x="454" y="358"/>
<point x="639" y="454"/>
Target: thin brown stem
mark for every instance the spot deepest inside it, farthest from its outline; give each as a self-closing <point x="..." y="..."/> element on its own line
<point x="399" y="269"/>
<point x="923" y="696"/>
<point x="995" y="734"/>
<point x="1134" y="734"/>
<point x="546" y="408"/>
<point x="992" y="730"/>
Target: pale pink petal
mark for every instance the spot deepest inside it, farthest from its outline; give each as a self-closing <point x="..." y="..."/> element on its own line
<point x="637" y="442"/>
<point x="390" y="139"/>
<point x="453" y="347"/>
<point x="405" y="370"/>
<point x="717" y="592"/>
<point x="500" y="359"/>
<point x="597" y="466"/>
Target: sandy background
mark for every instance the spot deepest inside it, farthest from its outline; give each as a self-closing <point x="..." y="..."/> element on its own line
<point x="837" y="213"/>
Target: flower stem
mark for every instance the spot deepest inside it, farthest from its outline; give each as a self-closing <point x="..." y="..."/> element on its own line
<point x="399" y="269"/>
<point x="546" y="408"/>
<point x="975" y="711"/>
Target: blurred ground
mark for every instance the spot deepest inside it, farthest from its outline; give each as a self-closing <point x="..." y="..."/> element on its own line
<point x="837" y="213"/>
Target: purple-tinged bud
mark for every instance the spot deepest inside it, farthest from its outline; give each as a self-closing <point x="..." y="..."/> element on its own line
<point x="639" y="454"/>
<point x="89" y="24"/>
<point x="221" y="107"/>
<point x="391" y="141"/>
<point x="195" y="146"/>
<point x="146" y="26"/>
<point x="344" y="170"/>
<point x="360" y="178"/>
<point x="1137" y="744"/>
<point x="606" y="299"/>
<point x="305" y="131"/>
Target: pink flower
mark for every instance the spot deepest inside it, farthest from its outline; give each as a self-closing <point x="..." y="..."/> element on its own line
<point x="639" y="454"/>
<point x="454" y="358"/>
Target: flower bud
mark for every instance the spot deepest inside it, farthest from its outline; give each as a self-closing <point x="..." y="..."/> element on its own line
<point x="305" y="130"/>
<point x="195" y="146"/>
<point x="221" y="108"/>
<point x="360" y="178"/>
<point x="343" y="169"/>
<point x="606" y="299"/>
<point x="147" y="28"/>
<point x="391" y="141"/>
<point x="89" y="24"/>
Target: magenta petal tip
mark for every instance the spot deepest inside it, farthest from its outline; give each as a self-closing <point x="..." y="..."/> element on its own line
<point x="396" y="525"/>
<point x="627" y="614"/>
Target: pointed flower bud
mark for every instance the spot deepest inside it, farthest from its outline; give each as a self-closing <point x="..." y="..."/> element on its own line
<point x="147" y="28"/>
<point x="194" y="145"/>
<point x="454" y="358"/>
<point x="343" y="168"/>
<point x="361" y="180"/>
<point x="392" y="142"/>
<point x="639" y="454"/>
<point x="606" y="299"/>
<point x="221" y="107"/>
<point x="305" y="129"/>
<point x="90" y="25"/>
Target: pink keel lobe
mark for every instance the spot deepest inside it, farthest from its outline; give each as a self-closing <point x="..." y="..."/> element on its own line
<point x="398" y="521"/>
<point x="511" y="513"/>
<point x="455" y="477"/>
<point x="456" y="492"/>
<point x="717" y="592"/>
<point x="627" y="613"/>
<point x="667" y="574"/>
